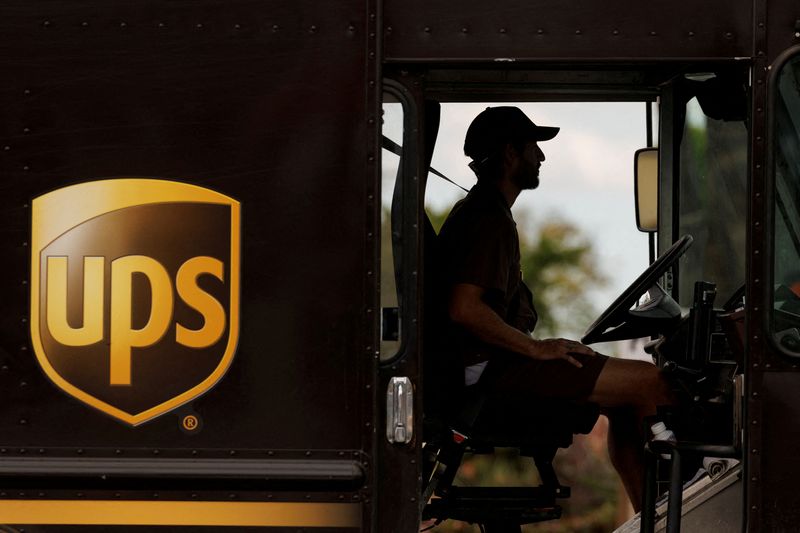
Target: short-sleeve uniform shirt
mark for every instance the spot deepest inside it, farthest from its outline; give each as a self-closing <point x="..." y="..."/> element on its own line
<point x="479" y="245"/>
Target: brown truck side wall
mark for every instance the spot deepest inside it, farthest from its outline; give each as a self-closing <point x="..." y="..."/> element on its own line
<point x="425" y="30"/>
<point x="264" y="102"/>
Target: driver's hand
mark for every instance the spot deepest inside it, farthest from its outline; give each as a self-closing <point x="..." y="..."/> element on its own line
<point x="548" y="349"/>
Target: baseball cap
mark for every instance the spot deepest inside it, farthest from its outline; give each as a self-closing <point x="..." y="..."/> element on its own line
<point x="496" y="126"/>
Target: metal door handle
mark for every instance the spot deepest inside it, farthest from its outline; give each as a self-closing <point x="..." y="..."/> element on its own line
<point x="399" y="410"/>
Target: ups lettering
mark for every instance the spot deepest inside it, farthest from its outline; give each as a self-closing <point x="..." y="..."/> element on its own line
<point x="123" y="335"/>
<point x="135" y="292"/>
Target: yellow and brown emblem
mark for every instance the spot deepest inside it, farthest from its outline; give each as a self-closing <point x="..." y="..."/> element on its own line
<point x="135" y="292"/>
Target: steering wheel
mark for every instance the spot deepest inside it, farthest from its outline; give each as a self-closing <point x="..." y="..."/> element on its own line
<point x="618" y="312"/>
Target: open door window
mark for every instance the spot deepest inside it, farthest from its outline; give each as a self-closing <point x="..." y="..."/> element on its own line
<point x="391" y="225"/>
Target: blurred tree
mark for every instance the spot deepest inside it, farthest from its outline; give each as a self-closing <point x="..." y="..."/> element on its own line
<point x="558" y="266"/>
<point x="437" y="218"/>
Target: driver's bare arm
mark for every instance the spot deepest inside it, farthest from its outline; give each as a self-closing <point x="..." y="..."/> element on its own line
<point x="468" y="309"/>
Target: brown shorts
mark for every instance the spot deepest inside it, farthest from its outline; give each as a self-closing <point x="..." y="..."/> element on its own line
<point x="519" y="379"/>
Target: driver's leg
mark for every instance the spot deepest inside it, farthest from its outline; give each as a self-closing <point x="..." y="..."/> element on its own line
<point x="631" y="383"/>
<point x="626" y="451"/>
<point x="628" y="391"/>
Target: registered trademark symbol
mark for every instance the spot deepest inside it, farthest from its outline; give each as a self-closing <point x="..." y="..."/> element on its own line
<point x="190" y="423"/>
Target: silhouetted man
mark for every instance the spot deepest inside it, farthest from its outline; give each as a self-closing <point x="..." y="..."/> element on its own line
<point x="491" y="312"/>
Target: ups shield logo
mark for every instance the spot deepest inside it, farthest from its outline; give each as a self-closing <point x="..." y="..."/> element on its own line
<point x="135" y="292"/>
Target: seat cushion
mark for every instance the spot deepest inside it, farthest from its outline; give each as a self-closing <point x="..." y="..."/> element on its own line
<point x="506" y="423"/>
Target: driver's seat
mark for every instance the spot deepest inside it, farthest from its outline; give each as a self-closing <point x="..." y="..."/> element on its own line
<point x="482" y="424"/>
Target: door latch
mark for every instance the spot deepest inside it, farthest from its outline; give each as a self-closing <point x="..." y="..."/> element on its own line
<point x="399" y="410"/>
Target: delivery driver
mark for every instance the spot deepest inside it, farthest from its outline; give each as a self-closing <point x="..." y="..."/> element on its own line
<point x="491" y="314"/>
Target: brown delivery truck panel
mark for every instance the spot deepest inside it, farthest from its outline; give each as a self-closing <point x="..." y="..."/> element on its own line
<point x="184" y="298"/>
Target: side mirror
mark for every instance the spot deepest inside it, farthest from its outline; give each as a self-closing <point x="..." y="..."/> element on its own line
<point x="645" y="176"/>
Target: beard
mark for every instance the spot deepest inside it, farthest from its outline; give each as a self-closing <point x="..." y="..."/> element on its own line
<point x="526" y="177"/>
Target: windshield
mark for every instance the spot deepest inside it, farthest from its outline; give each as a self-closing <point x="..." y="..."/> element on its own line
<point x="713" y="202"/>
<point x="786" y="263"/>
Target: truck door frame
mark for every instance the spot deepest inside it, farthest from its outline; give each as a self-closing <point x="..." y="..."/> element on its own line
<point x="398" y="465"/>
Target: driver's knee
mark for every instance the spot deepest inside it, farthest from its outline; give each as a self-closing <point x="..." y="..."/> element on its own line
<point x="648" y="382"/>
<point x="626" y="382"/>
<point x="660" y="389"/>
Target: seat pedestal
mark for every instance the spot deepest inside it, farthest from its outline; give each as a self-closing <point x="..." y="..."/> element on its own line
<point x="497" y="505"/>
